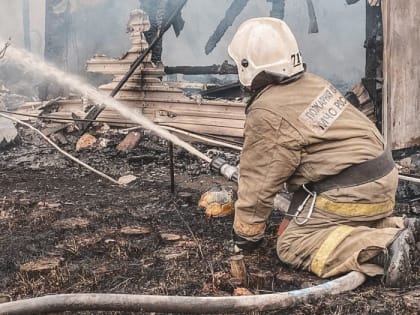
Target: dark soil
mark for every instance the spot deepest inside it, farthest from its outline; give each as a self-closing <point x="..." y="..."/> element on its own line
<point x="141" y="239"/>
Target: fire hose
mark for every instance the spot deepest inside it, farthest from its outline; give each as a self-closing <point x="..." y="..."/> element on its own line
<point x="181" y="304"/>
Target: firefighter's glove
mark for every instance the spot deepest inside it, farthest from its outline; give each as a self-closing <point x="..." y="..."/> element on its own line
<point x="218" y="202"/>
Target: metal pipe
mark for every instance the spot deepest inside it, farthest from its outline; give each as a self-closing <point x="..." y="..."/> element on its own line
<point x="171" y="166"/>
<point x="180" y="304"/>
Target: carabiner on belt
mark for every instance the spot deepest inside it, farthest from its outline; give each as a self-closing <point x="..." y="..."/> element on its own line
<point x="303" y="204"/>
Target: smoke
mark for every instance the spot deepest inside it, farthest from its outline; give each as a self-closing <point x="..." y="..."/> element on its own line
<point x="96" y="27"/>
<point x="75" y="5"/>
<point x="99" y="26"/>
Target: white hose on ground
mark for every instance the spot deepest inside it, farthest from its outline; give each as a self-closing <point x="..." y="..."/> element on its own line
<point x="181" y="304"/>
<point x="195" y="136"/>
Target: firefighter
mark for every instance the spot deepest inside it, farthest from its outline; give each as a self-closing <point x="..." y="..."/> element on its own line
<point x="301" y="132"/>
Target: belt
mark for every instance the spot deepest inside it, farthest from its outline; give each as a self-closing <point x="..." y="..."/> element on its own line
<point x="354" y="175"/>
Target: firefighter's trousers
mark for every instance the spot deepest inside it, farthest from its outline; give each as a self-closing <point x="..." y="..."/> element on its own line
<point x="330" y="245"/>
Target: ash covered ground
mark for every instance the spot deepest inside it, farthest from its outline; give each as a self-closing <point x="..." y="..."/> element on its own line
<point x="67" y="230"/>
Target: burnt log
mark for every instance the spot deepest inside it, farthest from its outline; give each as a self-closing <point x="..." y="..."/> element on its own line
<point x="224" y="68"/>
<point x="57" y="26"/>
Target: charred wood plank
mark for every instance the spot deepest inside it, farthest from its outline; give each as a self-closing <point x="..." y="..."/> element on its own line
<point x="158" y="12"/>
<point x="224" y="68"/>
<point x="54" y="129"/>
<point x="57" y="25"/>
<point x="230" y="91"/>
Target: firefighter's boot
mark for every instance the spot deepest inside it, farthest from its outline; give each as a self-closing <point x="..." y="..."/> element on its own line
<point x="397" y="260"/>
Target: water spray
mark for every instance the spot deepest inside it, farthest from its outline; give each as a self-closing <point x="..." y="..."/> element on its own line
<point x="3" y="50"/>
<point x="30" y="62"/>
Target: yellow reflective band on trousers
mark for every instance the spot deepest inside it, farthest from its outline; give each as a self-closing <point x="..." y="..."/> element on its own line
<point x="327" y="247"/>
<point x="350" y="209"/>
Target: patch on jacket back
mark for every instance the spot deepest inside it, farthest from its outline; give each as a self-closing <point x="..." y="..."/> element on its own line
<point x="324" y="110"/>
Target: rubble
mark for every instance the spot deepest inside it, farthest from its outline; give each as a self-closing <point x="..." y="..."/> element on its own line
<point x="107" y="235"/>
<point x="127" y="179"/>
<point x="86" y="141"/>
<point x="129" y="142"/>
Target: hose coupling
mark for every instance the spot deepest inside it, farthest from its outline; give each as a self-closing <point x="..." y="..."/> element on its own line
<point x="222" y="167"/>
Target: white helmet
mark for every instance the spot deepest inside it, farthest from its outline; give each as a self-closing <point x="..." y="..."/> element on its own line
<point x="265" y="45"/>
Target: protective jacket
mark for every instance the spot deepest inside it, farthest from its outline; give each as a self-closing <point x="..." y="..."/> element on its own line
<point x="303" y="132"/>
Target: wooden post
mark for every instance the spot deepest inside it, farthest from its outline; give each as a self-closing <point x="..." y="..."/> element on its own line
<point x="238" y="269"/>
<point x="401" y="75"/>
<point x="26" y="24"/>
<point x="261" y="280"/>
<point x="56" y="33"/>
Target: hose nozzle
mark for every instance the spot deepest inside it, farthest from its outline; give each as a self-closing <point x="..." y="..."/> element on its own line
<point x="222" y="167"/>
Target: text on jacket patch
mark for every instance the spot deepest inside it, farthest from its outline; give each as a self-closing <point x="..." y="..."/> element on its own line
<point x="324" y="110"/>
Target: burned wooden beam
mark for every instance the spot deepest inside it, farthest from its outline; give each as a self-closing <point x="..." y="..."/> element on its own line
<point x="159" y="11"/>
<point x="278" y="7"/>
<point x="224" y="68"/>
<point x="230" y="91"/>
<point x="313" y="23"/>
<point x="57" y="25"/>
<point x="374" y="59"/>
<point x="232" y="12"/>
